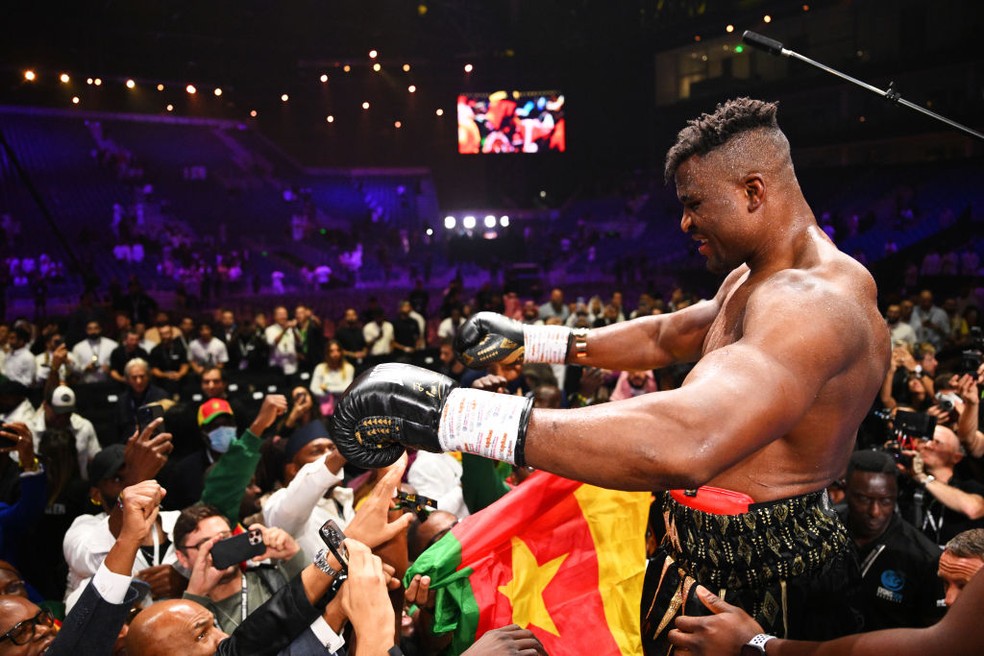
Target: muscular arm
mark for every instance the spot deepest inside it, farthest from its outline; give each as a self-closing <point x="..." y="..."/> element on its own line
<point x="655" y="341"/>
<point x="736" y="401"/>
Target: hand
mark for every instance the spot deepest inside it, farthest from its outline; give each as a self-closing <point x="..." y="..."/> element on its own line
<point x="591" y="380"/>
<point x="334" y="460"/>
<point x="145" y="453"/>
<point x="942" y="417"/>
<point x="365" y="599"/>
<point x="968" y="391"/>
<point x="141" y="504"/>
<point x="419" y="592"/>
<point x="204" y="577"/>
<point x="371" y="525"/>
<point x="386" y="408"/>
<point x="722" y="633"/>
<point x="491" y="383"/>
<point x="273" y="406"/>
<point x="59" y="357"/>
<point x="488" y="337"/>
<point x="22" y="441"/>
<point x="302" y="403"/>
<point x="280" y="545"/>
<point x="165" y="581"/>
<point x="507" y="641"/>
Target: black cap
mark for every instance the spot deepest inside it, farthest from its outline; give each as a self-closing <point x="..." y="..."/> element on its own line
<point x="305" y="435"/>
<point x="106" y="463"/>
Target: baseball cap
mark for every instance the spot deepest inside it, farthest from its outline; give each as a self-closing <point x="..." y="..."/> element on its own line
<point x="106" y="463"/>
<point x="63" y="400"/>
<point x="212" y="409"/>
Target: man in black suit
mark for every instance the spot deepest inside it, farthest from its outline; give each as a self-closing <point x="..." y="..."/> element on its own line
<point x="94" y="624"/>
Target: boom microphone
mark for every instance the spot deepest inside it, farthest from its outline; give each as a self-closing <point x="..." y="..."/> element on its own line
<point x="756" y="40"/>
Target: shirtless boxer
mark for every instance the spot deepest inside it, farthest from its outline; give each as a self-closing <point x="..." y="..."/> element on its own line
<point x="789" y="355"/>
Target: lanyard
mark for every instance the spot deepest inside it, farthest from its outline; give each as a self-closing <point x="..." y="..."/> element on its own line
<point x="157" y="546"/>
<point x="243" y="598"/>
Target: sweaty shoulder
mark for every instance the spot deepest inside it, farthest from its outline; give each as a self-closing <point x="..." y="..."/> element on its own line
<point x="833" y="299"/>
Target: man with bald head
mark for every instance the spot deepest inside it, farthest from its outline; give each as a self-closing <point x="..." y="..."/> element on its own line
<point x="175" y="626"/>
<point x="737" y="474"/>
<point x="930" y="321"/>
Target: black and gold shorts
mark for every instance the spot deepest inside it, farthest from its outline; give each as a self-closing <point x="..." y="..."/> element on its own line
<point x="788" y="563"/>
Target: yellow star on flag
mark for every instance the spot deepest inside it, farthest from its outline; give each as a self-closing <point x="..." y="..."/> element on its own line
<point x="525" y="590"/>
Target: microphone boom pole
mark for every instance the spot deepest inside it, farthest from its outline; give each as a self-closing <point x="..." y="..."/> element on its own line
<point x="773" y="47"/>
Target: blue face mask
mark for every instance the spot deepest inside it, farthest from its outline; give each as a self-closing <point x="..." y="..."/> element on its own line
<point x="220" y="438"/>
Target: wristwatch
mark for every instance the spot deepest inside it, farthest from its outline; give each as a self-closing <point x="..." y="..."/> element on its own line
<point x="756" y="646"/>
<point x="321" y="562"/>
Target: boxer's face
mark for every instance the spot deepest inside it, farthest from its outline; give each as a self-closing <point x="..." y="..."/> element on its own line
<point x="712" y="213"/>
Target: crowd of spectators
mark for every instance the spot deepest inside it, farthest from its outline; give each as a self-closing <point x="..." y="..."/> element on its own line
<point x="102" y="510"/>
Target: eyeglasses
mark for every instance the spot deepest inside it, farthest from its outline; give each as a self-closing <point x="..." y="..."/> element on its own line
<point x="24" y="631"/>
<point x="198" y="545"/>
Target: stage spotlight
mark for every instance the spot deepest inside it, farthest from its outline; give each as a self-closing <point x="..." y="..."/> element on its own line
<point x="217" y="92"/>
<point x="30" y="76"/>
<point x="170" y="108"/>
<point x="729" y="29"/>
<point x="191" y="89"/>
<point x="504" y="221"/>
<point x="469" y="68"/>
<point x="365" y="105"/>
<point x="373" y="54"/>
<point x="406" y="68"/>
<point x="330" y="119"/>
<point x="398" y="124"/>
<point x="130" y="84"/>
<point x="468" y="222"/>
<point x="252" y="113"/>
<point x="449" y="222"/>
<point x="88" y="81"/>
<point x="412" y="88"/>
<point x="346" y="68"/>
<point x="376" y="67"/>
<point x="75" y="100"/>
<point x="160" y="87"/>
<point x="284" y="98"/>
<point x="65" y="79"/>
<point x="767" y="19"/>
<point x="429" y="232"/>
<point x="489" y="221"/>
<point x="439" y="112"/>
<point x="324" y="78"/>
<point x="98" y="81"/>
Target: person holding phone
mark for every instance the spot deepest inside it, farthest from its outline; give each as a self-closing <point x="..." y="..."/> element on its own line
<point x="229" y="592"/>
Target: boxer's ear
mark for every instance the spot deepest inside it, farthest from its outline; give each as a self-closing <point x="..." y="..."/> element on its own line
<point x="754" y="187"/>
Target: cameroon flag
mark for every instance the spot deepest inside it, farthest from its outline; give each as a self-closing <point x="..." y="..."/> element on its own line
<point x="561" y="558"/>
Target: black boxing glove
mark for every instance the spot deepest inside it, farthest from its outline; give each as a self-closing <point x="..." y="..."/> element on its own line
<point x="488" y="337"/>
<point x="392" y="406"/>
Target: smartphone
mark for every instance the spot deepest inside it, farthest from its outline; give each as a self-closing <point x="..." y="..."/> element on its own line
<point x="148" y="413"/>
<point x="418" y="503"/>
<point x="333" y="538"/>
<point x="237" y="549"/>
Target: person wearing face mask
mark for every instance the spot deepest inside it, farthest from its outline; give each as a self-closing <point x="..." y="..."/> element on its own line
<point x="230" y="458"/>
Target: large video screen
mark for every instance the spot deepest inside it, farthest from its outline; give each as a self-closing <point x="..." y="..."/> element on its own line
<point x="511" y="122"/>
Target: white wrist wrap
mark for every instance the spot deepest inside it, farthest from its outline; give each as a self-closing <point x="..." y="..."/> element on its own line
<point x="483" y="423"/>
<point x="546" y="344"/>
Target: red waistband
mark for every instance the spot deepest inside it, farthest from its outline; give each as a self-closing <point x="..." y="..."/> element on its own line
<point x="715" y="500"/>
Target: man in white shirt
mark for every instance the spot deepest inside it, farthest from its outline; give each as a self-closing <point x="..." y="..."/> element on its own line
<point x="282" y="338"/>
<point x="438" y="476"/>
<point x="930" y="321"/>
<point x="902" y="332"/>
<point x="14" y="406"/>
<point x="58" y="411"/>
<point x="206" y="350"/>
<point x="90" y="357"/>
<point x="42" y="361"/>
<point x="89" y="539"/>
<point x="20" y="364"/>
<point x="378" y="334"/>
<point x="314" y="492"/>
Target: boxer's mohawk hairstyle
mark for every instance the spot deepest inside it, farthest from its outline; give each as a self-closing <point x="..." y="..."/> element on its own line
<point x="710" y="131"/>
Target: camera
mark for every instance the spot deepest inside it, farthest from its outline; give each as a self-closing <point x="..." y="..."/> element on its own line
<point x="333" y="537"/>
<point x="970" y="362"/>
<point x="947" y="401"/>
